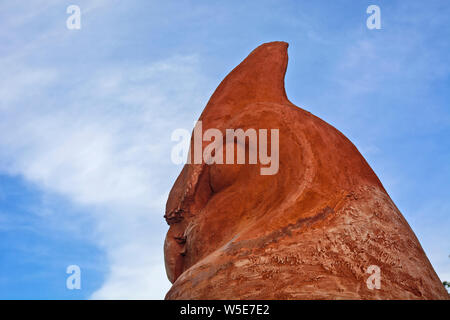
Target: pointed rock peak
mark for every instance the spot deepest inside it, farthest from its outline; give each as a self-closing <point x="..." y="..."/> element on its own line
<point x="259" y="78"/>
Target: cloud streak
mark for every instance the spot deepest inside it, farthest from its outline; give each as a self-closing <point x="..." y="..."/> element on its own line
<point x="101" y="140"/>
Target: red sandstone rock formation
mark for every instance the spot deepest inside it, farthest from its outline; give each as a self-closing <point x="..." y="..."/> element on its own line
<point x="308" y="232"/>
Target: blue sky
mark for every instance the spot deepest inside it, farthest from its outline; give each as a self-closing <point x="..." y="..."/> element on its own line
<point x="86" y="118"/>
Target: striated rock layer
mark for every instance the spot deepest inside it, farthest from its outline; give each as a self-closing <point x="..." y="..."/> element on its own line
<point x="308" y="232"/>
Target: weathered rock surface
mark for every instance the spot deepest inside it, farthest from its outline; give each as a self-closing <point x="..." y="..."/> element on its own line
<point x="308" y="232"/>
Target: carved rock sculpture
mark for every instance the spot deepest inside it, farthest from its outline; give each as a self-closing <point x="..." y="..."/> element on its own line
<point x="310" y="231"/>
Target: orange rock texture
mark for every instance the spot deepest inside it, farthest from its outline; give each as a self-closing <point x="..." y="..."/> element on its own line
<point x="308" y="232"/>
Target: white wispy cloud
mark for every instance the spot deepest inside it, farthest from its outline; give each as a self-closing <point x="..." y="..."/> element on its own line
<point x="106" y="147"/>
<point x="101" y="140"/>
